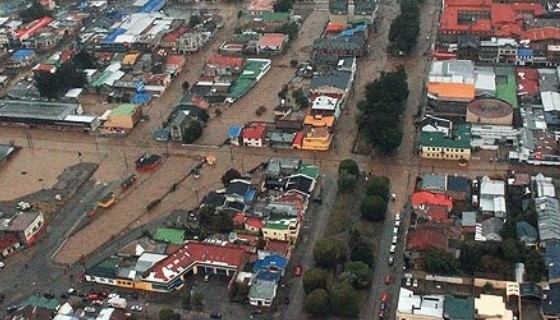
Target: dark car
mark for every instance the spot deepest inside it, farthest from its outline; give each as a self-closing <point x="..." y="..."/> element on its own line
<point x="11" y="308"/>
<point x="286" y="300"/>
<point x="2" y="297"/>
<point x="215" y="315"/>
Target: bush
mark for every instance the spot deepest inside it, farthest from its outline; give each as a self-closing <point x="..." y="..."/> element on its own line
<point x="218" y="112"/>
<point x="345" y="301"/>
<point x="231" y="174"/>
<point x="358" y="274"/>
<point x="328" y="253"/>
<point x="364" y="252"/>
<point x="314" y="279"/>
<point x="347" y="182"/>
<point x="293" y="63"/>
<point x="373" y="208"/>
<point x="317" y="302"/>
<point x="260" y="111"/>
<point x="349" y="166"/>
<point x="378" y="186"/>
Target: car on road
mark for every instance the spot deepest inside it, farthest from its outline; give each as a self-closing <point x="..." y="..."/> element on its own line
<point x="408" y="282"/>
<point x="2" y="265"/>
<point x="113" y="296"/>
<point x="415" y="283"/>
<point x="388" y="279"/>
<point x="215" y="315"/>
<point x="395" y="231"/>
<point x="395" y="239"/>
<point x="392" y="249"/>
<point x="2" y="297"/>
<point x="298" y="270"/>
<point x="137" y="308"/>
<point x="11" y="308"/>
<point x="89" y="310"/>
<point x="398" y="216"/>
<point x="384" y="297"/>
<point x="72" y="292"/>
<point x="391" y="260"/>
<point x="382" y="308"/>
<point x="397" y="223"/>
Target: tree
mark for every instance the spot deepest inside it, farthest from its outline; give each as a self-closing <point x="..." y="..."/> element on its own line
<point x="390" y="139"/>
<point x="345" y="301"/>
<point x="231" y="174"/>
<point x="317" y="302"/>
<point x="328" y="253"/>
<point x="34" y="12"/>
<point x="364" y="252"/>
<point x="291" y="29"/>
<point x="510" y="250"/>
<point x="470" y="257"/>
<point x="239" y="14"/>
<point x="223" y="222"/>
<point x="166" y="314"/>
<point x="314" y="278"/>
<point x="193" y="132"/>
<point x="358" y="274"/>
<point x="84" y="60"/>
<point x="67" y="76"/>
<point x="347" y="182"/>
<point x="186" y="85"/>
<point x="194" y="21"/>
<point x="441" y="262"/>
<point x="186" y="299"/>
<point x="378" y="186"/>
<point x="373" y="208"/>
<point x="534" y="265"/>
<point x="349" y="166"/>
<point x="283" y="6"/>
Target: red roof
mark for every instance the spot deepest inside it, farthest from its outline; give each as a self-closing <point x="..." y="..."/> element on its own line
<point x="256" y="132"/>
<point x="438" y="214"/>
<point x="273" y="40"/>
<point x="220" y="61"/>
<point x="298" y="140"/>
<point x="175" y="60"/>
<point x="195" y="253"/>
<point x="279" y="247"/>
<point x="527" y="82"/>
<point x="254" y="222"/>
<point x="239" y="218"/>
<point x="427" y="198"/>
<point x="334" y="28"/>
<point x="174" y="35"/>
<point x="424" y="238"/>
<point x="33" y="26"/>
<point x="200" y="102"/>
<point x="539" y="34"/>
<point x="8" y="241"/>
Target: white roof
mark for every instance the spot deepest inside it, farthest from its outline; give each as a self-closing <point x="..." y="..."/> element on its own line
<point x="550" y="101"/>
<point x="105" y="314"/>
<point x="114" y="77"/>
<point x="3" y="20"/>
<point x="125" y="38"/>
<point x="74" y="93"/>
<point x="544" y="186"/>
<point x="492" y="187"/>
<point x="65" y="309"/>
<point x="485" y="80"/>
<point x="429" y="305"/>
<point x="113" y="67"/>
<point x="324" y="103"/>
<point x="452" y="71"/>
<point x="140" y="3"/>
<point x="80" y="118"/>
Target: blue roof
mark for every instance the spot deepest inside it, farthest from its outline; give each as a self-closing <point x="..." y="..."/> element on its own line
<point x="141" y="98"/>
<point x="113" y="35"/>
<point x="552" y="259"/>
<point x="234" y="131"/>
<point x="250" y="195"/>
<point x="115" y="14"/>
<point x="20" y="55"/>
<point x="264" y="275"/>
<point x="152" y="5"/>
<point x="272" y="261"/>
<point x="350" y="32"/>
<point x="525" y="52"/>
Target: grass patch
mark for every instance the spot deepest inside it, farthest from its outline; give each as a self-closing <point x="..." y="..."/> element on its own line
<point x="340" y="217"/>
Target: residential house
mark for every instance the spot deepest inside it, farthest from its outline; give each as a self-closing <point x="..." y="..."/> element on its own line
<point x="458" y="187"/>
<point x="9" y="244"/>
<point x="171" y="39"/>
<point x="436" y="145"/>
<point x="422" y="199"/>
<point x="253" y="224"/>
<point x="271" y="262"/>
<point x="303" y="180"/>
<point x="239" y="190"/>
<point x="428" y="236"/>
<point x="491" y="307"/>
<point x="21" y="59"/>
<point x="550" y="305"/>
<point x="123" y="118"/>
<point x="315" y="139"/>
<point x="468" y="222"/>
<point x="272" y="44"/>
<point x="254" y="136"/>
<point x="458" y="308"/>
<point x="543" y="186"/>
<point x="419" y="307"/>
<point x="492" y="200"/>
<point x="281" y="230"/>
<point x="548" y="211"/>
<point x="193" y="41"/>
<point x="335" y="83"/>
<point x="26" y="226"/>
<point x="274" y="20"/>
<point x="435" y="124"/>
<point x="224" y="65"/>
<point x="326" y="106"/>
<point x="489" y="230"/>
<point x="263" y="288"/>
<point x="277" y="169"/>
<point x="179" y="125"/>
<point x="280" y="139"/>
<point x="234" y="134"/>
<point x="468" y="47"/>
<point x="257" y="8"/>
<point x="339" y="46"/>
<point x="433" y="213"/>
<point x="174" y="64"/>
<point x="434" y="183"/>
<point x="282" y="109"/>
<point x="526" y="233"/>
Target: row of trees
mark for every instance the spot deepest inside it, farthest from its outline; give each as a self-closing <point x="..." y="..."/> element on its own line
<point x="382" y="109"/>
<point x="374" y="205"/>
<point x="404" y="30"/>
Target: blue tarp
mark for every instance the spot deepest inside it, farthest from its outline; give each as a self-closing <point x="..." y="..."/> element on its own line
<point x="83" y="5"/>
<point x="115" y="14"/>
<point x="524" y="52"/>
<point x="234" y="131"/>
<point x="22" y="54"/>
<point x="141" y="98"/>
<point x="268" y="276"/>
<point x="351" y="32"/>
<point x="113" y="35"/>
<point x="153" y="5"/>
<point x="273" y="261"/>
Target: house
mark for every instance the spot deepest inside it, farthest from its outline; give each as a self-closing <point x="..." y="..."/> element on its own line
<point x="225" y="65"/>
<point x="30" y="312"/>
<point x="316" y="139"/>
<point x="301" y="183"/>
<point x="21" y="59"/>
<point x="548" y="211"/>
<point x="123" y="118"/>
<point x="491" y="307"/>
<point x="280" y="139"/>
<point x="427" y="236"/>
<point x="436" y="145"/>
<point x="457" y="187"/>
<point x="468" y="47"/>
<point x="435" y="124"/>
<point x="174" y="64"/>
<point x="421" y="199"/>
<point x="281" y="230"/>
<point x="326" y="106"/>
<point x="241" y="191"/>
<point x="263" y="288"/>
<point x="179" y="125"/>
<point x="526" y="233"/>
<point x="253" y="224"/>
<point x="489" y="230"/>
<point x="234" y="134"/>
<point x="435" y="183"/>
<point x="458" y="308"/>
<point x="282" y="109"/>
<point x="254" y="136"/>
<point x="168" y="235"/>
<point x="26" y="226"/>
<point x="418" y="307"/>
<point x="272" y="44"/>
<point x="271" y="262"/>
<point x="9" y="244"/>
<point x="438" y="214"/>
<point x="335" y="83"/>
<point x="543" y="186"/>
<point x="338" y="46"/>
<point x="492" y="200"/>
<point x="274" y="20"/>
<point x="468" y="222"/>
<point x="193" y="41"/>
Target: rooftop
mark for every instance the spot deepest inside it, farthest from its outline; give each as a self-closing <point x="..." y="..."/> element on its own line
<point x="125" y="109"/>
<point x="427" y="198"/>
<point x="428" y="305"/>
<point x="461" y="138"/>
<point x="490" y="108"/>
<point x="19" y="222"/>
<point x="283" y="224"/>
<point x="506" y="89"/>
<point x="168" y="235"/>
<point x="36" y="110"/>
<point x="458" y="308"/>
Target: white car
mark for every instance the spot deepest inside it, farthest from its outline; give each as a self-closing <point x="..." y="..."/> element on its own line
<point x="395" y="231"/>
<point x="89" y="309"/>
<point x="137" y="308"/>
<point x="392" y="249"/>
<point x="398" y="216"/>
<point x="408" y="282"/>
<point x="395" y="239"/>
<point x="113" y="296"/>
<point x="397" y="223"/>
<point x="415" y="283"/>
<point x="2" y="265"/>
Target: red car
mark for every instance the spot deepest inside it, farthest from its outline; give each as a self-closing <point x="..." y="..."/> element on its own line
<point x="298" y="270"/>
<point x="384" y="297"/>
<point x="387" y="279"/>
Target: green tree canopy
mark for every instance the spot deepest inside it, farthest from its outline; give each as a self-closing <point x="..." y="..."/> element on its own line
<point x="389" y="139"/>
<point x="194" y="21"/>
<point x="317" y="302"/>
<point x="231" y="174"/>
<point x="373" y="208"/>
<point x="345" y="301"/>
<point x="358" y="274"/>
<point x="347" y="182"/>
<point x="53" y="85"/>
<point x="283" y="5"/>
<point x="440" y="262"/>
<point x="34" y="12"/>
<point x="350" y="166"/>
<point x="193" y="132"/>
<point x="328" y="252"/>
<point x="364" y="252"/>
<point x="378" y="186"/>
<point x="314" y="278"/>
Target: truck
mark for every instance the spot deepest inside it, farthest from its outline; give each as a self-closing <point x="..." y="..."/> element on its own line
<point x="118" y="303"/>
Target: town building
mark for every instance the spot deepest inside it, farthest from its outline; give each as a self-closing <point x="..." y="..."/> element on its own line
<point x="436" y="145"/>
<point x="123" y="118"/>
<point x="254" y="136"/>
<point x="489" y="111"/>
<point x="281" y="230"/>
<point x="419" y="307"/>
<point x="26" y="226"/>
<point x="492" y="199"/>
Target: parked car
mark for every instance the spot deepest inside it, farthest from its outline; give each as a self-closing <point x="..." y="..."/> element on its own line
<point x="215" y="315"/>
<point x="72" y="292"/>
<point x="384" y="297"/>
<point x="64" y="296"/>
<point x="395" y="239"/>
<point x="408" y="282"/>
<point x="113" y="296"/>
<point x="397" y="223"/>
<point x="388" y="279"/>
<point x="11" y="308"/>
<point x="382" y="308"/>
<point x="2" y="265"/>
<point x="391" y="260"/>
<point x="392" y="249"/>
<point x="415" y="283"/>
<point x="137" y="308"/>
<point x="298" y="270"/>
<point x="398" y="216"/>
<point x="89" y="310"/>
<point x="395" y="231"/>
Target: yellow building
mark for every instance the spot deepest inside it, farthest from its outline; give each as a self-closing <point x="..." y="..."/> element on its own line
<point x="437" y="145"/>
<point x="130" y="59"/>
<point x="281" y="230"/>
<point x="317" y="139"/>
<point x="124" y="117"/>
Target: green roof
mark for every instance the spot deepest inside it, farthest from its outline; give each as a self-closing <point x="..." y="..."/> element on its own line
<point x="124" y="109"/>
<point x="461" y="138"/>
<point x="105" y="269"/>
<point x="253" y="70"/>
<point x="100" y="80"/>
<point x="458" y="308"/>
<point x="282" y="224"/>
<point x="173" y="236"/>
<point x="275" y="16"/>
<point x="310" y="171"/>
<point x="507" y="91"/>
<point x="40" y="301"/>
<point x="240" y="87"/>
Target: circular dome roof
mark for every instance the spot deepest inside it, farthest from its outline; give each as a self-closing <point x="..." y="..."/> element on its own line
<point x="490" y="108"/>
